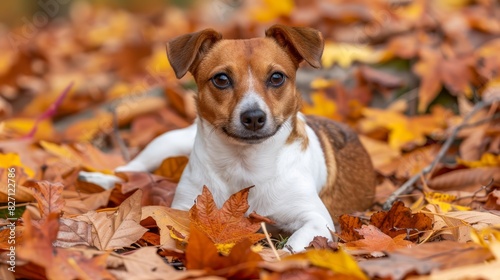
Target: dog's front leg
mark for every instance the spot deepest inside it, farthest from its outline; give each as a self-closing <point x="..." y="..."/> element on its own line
<point x="177" y="142"/>
<point x="309" y="218"/>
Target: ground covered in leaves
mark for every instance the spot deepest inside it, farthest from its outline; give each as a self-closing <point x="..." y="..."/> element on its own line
<point x="418" y="80"/>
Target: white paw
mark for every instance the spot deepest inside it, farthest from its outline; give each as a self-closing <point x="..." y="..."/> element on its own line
<point x="302" y="237"/>
<point x="105" y="181"/>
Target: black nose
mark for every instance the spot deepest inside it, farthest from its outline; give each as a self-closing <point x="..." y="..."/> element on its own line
<point x="253" y="119"/>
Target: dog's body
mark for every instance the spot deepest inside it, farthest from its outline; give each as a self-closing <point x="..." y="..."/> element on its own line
<point x="249" y="131"/>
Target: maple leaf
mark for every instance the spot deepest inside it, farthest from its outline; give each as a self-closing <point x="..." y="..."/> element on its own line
<point x="400" y="220"/>
<point x="240" y="263"/>
<point x="48" y="197"/>
<point x="227" y="225"/>
<point x="117" y="229"/>
<point x="348" y="228"/>
<point x="376" y="241"/>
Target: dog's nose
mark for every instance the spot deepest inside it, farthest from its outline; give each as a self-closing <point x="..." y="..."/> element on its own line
<point x="253" y="119"/>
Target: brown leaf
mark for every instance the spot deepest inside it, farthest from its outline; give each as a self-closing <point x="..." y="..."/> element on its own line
<point x="320" y="242"/>
<point x="48" y="197"/>
<point x="117" y="229"/>
<point x="428" y="70"/>
<point x="465" y="179"/>
<point x="72" y="233"/>
<point x="157" y="190"/>
<point x="59" y="263"/>
<point x="400" y="220"/>
<point x="377" y="241"/>
<point x="349" y="227"/>
<point x="493" y="201"/>
<point x="145" y="263"/>
<point x="241" y="262"/>
<point x="79" y="203"/>
<point x="228" y="224"/>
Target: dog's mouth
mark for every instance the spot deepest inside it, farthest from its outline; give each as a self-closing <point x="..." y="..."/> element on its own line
<point x="250" y="138"/>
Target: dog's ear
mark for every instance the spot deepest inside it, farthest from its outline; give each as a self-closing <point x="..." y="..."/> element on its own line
<point x="302" y="43"/>
<point x="184" y="51"/>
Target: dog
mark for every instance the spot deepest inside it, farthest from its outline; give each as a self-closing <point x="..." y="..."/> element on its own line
<point x="306" y="170"/>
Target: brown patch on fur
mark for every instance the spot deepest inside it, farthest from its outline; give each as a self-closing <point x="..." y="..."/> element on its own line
<point x="298" y="133"/>
<point x="350" y="183"/>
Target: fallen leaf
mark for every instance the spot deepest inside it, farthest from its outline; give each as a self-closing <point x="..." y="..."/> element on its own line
<point x="59" y="263"/>
<point x="165" y="217"/>
<point x="400" y="220"/>
<point x="157" y="190"/>
<point x="73" y="233"/>
<point x="376" y="241"/>
<point x="172" y="168"/>
<point x="48" y="197"/>
<point x="493" y="201"/>
<point x="145" y="263"/>
<point x="117" y="229"/>
<point x="240" y="263"/>
<point x="340" y="262"/>
<point x="465" y="179"/>
<point x="349" y="227"/>
<point x="226" y="226"/>
<point x="79" y="203"/>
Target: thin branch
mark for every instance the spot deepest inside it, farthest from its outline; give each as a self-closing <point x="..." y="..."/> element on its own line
<point x="268" y="238"/>
<point x="407" y="186"/>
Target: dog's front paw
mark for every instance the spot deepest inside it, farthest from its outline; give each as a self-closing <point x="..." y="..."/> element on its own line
<point x="105" y="181"/>
<point x="302" y="237"/>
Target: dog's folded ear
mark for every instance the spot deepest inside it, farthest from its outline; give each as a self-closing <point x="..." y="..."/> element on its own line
<point x="184" y="51"/>
<point x="303" y="43"/>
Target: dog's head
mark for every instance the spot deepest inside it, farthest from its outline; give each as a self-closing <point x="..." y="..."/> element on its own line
<point x="246" y="88"/>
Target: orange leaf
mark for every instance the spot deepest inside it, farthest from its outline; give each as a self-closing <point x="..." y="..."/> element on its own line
<point x="201" y="253"/>
<point x="48" y="196"/>
<point x="172" y="168"/>
<point x="400" y="220"/>
<point x="59" y="263"/>
<point x="348" y="228"/>
<point x="376" y="241"/>
<point x="428" y="70"/>
<point x="227" y="225"/>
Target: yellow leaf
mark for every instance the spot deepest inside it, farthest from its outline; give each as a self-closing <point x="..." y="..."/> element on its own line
<point x="487" y="160"/>
<point x="321" y="106"/>
<point x="269" y="10"/>
<point x="11" y="160"/>
<point x="61" y="151"/>
<point x="339" y="262"/>
<point x="345" y="54"/>
<point x="444" y="200"/>
<point x="20" y="127"/>
<point x="321" y="83"/>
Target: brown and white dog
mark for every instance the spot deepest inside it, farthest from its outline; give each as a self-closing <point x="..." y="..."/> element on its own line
<point x="249" y="131"/>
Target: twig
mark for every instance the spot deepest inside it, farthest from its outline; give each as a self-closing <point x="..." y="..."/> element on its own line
<point x="268" y="238"/>
<point x="50" y="112"/>
<point x="406" y="187"/>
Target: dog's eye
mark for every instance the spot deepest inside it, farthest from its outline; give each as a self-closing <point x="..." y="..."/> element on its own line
<point x="276" y="79"/>
<point x="221" y="81"/>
